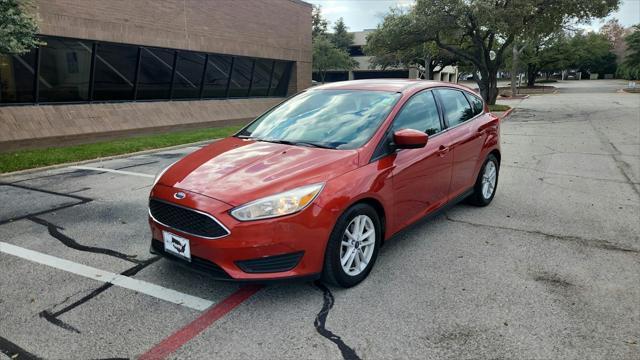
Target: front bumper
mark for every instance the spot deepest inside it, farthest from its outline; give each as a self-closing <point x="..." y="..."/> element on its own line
<point x="288" y="247"/>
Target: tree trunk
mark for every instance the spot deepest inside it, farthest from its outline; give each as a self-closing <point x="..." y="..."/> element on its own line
<point x="488" y="84"/>
<point x="514" y="71"/>
<point x="531" y="75"/>
<point x="428" y="71"/>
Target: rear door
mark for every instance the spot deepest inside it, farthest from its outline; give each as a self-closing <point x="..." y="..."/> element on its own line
<point x="465" y="136"/>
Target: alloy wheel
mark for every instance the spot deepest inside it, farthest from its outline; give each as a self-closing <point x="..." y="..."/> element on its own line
<point x="489" y="177"/>
<point x="358" y="243"/>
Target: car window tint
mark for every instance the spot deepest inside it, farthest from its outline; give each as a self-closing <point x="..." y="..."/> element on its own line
<point x="476" y="103"/>
<point x="419" y="113"/>
<point x="456" y="107"/>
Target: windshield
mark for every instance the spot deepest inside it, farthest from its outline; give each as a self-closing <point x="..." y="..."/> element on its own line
<point x="339" y="119"/>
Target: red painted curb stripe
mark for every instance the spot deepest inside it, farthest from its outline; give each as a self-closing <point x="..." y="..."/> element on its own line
<point x="507" y="113"/>
<point x="191" y="330"/>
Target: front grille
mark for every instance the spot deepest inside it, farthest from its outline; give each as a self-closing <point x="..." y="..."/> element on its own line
<point x="186" y="220"/>
<point x="198" y="264"/>
<point x="269" y="264"/>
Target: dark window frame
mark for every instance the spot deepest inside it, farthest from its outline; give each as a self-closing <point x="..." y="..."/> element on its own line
<point x="382" y="149"/>
<point x="441" y="105"/>
<point x="95" y="46"/>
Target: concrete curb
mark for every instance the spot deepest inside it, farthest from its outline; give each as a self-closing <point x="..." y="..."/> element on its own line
<point x="119" y="156"/>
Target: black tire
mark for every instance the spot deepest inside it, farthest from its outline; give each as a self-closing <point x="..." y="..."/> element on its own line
<point x="477" y="198"/>
<point x="333" y="273"/>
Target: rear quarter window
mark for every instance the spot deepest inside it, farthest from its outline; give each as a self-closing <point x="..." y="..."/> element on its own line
<point x="476" y="103"/>
<point x="456" y="107"/>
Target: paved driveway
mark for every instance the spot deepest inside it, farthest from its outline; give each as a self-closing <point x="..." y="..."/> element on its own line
<point x="550" y="270"/>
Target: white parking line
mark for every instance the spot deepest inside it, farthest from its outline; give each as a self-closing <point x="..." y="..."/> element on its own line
<point x="126" y="282"/>
<point x="113" y="171"/>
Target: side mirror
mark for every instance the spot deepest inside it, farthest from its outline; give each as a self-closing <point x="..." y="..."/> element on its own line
<point x="409" y="139"/>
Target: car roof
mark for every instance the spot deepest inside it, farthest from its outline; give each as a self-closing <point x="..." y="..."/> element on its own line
<point x="393" y="85"/>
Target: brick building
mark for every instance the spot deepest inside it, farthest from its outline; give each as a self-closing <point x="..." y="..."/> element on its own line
<point x="121" y="67"/>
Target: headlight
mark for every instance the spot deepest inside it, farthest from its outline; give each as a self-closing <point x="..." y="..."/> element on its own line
<point x="155" y="181"/>
<point x="281" y="204"/>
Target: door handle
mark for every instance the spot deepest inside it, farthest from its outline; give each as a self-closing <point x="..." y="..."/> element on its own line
<point x="443" y="150"/>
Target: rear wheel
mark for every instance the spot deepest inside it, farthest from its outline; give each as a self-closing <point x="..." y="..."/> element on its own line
<point x="353" y="246"/>
<point x="487" y="182"/>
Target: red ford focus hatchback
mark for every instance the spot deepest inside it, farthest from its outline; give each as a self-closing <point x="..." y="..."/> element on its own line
<point x="313" y="187"/>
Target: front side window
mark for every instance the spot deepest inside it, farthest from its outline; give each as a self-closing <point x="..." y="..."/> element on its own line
<point x="340" y="119"/>
<point x="419" y="113"/>
<point x="456" y="107"/>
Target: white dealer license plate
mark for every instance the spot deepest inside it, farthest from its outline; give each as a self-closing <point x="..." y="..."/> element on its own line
<point x="177" y="245"/>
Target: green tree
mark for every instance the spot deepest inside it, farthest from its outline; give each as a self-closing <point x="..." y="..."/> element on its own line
<point x="479" y="31"/>
<point x="632" y="58"/>
<point x="17" y="28"/>
<point x="591" y="53"/>
<point x="341" y="38"/>
<point x="545" y="54"/>
<point x="391" y="46"/>
<point x="318" y="23"/>
<point x="630" y="67"/>
<point x="326" y="56"/>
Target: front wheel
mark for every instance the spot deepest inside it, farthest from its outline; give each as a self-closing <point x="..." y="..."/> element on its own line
<point x="487" y="182"/>
<point x="353" y="246"/>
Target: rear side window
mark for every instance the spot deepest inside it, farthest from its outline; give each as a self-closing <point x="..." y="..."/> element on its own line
<point x="419" y="113"/>
<point x="476" y="103"/>
<point x="456" y="107"/>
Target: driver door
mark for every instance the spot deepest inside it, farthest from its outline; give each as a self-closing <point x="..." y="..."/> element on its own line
<point x="421" y="177"/>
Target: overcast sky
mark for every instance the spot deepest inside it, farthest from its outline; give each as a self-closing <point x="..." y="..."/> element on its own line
<point x="366" y="14"/>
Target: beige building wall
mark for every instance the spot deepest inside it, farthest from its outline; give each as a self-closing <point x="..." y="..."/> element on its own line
<point x="275" y="29"/>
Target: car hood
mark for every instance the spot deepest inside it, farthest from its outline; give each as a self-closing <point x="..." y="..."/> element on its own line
<point x="237" y="171"/>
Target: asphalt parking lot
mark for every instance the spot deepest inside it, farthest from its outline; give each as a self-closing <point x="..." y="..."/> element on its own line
<point x="551" y="269"/>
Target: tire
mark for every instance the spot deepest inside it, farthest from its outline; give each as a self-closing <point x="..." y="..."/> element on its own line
<point x="479" y="196"/>
<point x="334" y="272"/>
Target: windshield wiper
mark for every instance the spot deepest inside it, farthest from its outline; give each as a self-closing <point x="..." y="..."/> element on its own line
<point x="296" y="143"/>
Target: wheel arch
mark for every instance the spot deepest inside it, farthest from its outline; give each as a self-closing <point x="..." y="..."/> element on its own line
<point x="379" y="208"/>
<point x="496" y="153"/>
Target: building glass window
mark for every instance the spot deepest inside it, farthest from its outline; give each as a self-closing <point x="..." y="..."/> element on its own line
<point x="123" y="72"/>
<point x="240" y="77"/>
<point x="280" y="81"/>
<point x="217" y="76"/>
<point x="261" y="77"/>
<point x="154" y="79"/>
<point x="17" y="73"/>
<point x="115" y="72"/>
<point x="188" y="77"/>
<point x="65" y="67"/>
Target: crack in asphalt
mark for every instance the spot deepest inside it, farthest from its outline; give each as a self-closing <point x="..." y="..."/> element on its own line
<point x="54" y="231"/>
<point x="563" y="174"/>
<point x="81" y="200"/>
<point x="594" y="243"/>
<point x="136" y="165"/>
<point x="52" y="316"/>
<point x="14" y="351"/>
<point x="320" y="323"/>
<point x="622" y="165"/>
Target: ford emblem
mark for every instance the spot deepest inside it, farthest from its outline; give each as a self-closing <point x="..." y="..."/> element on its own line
<point x="179" y="195"/>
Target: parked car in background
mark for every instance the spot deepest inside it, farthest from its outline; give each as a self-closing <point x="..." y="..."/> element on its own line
<point x="313" y="187"/>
